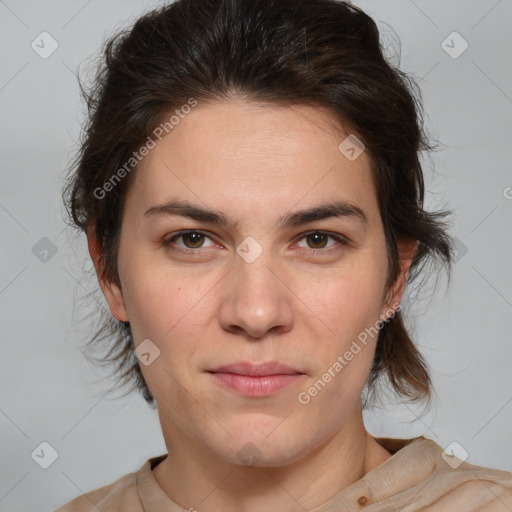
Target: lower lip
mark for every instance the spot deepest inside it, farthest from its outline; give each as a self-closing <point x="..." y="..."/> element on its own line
<point x="264" y="385"/>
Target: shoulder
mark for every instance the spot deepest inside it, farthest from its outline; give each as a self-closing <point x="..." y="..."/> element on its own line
<point x="484" y="489"/>
<point x="438" y="480"/>
<point x="120" y="495"/>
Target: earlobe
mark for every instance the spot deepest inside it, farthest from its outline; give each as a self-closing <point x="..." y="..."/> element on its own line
<point x="406" y="250"/>
<point x="110" y="289"/>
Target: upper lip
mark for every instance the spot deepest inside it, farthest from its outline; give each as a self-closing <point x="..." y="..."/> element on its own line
<point x="256" y="369"/>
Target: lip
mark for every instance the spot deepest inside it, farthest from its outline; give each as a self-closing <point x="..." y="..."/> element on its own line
<point x="256" y="369"/>
<point x="256" y="380"/>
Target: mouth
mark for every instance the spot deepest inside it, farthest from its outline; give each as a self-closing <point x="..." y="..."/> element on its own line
<point x="256" y="380"/>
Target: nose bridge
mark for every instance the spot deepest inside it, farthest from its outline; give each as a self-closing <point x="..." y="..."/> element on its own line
<point x="255" y="300"/>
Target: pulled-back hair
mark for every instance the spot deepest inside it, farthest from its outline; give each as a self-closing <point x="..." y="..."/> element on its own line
<point x="320" y="53"/>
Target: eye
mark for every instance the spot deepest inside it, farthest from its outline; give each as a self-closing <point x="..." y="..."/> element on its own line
<point x="320" y="240"/>
<point x="190" y="240"/>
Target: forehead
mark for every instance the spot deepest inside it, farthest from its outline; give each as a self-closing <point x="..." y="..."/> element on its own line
<point x="243" y="158"/>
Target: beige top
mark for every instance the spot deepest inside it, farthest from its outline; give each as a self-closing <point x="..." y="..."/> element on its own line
<point x="415" y="478"/>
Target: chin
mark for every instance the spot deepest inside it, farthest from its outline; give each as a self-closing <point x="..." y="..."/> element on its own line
<point x="252" y="450"/>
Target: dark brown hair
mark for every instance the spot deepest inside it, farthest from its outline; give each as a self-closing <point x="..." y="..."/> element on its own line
<point x="320" y="53"/>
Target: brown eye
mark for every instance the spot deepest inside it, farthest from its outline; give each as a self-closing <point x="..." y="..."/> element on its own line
<point x="188" y="240"/>
<point x="193" y="240"/>
<point x="318" y="240"/>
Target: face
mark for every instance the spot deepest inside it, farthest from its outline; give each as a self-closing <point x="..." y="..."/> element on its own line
<point x="249" y="240"/>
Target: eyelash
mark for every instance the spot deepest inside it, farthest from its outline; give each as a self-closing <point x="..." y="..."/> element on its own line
<point x="167" y="242"/>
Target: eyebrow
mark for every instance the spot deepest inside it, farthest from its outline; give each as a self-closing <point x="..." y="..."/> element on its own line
<point x="305" y="216"/>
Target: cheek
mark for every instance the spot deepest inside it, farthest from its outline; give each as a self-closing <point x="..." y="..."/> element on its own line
<point x="346" y="301"/>
<point x="174" y="311"/>
<point x="350" y="307"/>
<point x="347" y="306"/>
<point x="161" y="303"/>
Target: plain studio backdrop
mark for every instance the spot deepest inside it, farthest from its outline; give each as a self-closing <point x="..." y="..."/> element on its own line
<point x="458" y="51"/>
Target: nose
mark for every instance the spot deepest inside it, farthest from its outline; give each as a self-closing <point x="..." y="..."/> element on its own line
<point x="256" y="300"/>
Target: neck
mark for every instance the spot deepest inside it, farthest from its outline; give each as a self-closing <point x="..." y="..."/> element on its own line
<point x="193" y="477"/>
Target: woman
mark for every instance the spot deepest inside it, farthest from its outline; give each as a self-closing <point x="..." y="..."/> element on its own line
<point x="250" y="186"/>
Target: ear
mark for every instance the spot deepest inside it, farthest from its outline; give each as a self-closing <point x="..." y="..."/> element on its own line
<point x="407" y="250"/>
<point x="110" y="290"/>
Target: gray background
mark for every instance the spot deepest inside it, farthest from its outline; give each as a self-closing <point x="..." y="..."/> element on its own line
<point x="50" y="393"/>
